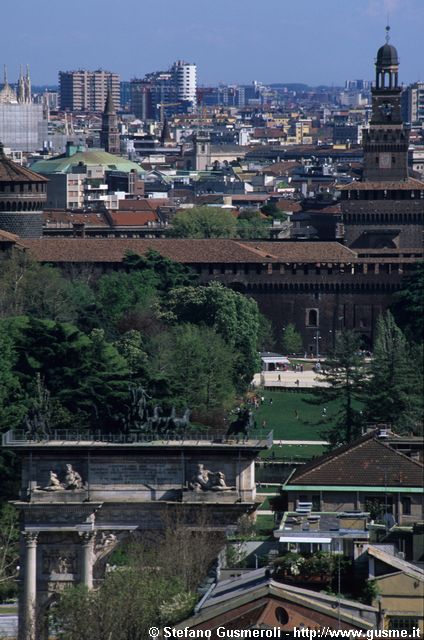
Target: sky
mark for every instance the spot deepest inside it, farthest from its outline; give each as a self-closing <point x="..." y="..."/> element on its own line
<point x="231" y="41"/>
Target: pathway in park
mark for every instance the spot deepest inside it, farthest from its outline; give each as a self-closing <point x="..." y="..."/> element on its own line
<point x="288" y="379"/>
<point x="323" y="443"/>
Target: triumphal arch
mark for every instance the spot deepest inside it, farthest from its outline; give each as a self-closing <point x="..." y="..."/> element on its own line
<point x="81" y="494"/>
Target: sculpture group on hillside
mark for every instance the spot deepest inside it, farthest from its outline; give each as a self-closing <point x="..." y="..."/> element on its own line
<point x="142" y="418"/>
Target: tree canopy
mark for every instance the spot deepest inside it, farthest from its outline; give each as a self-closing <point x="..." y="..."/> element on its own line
<point x="394" y="393"/>
<point x="344" y="375"/>
<point x="203" y="222"/>
<point x="232" y="315"/>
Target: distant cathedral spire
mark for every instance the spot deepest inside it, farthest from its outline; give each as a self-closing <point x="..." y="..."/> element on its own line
<point x="28" y="96"/>
<point x="21" y="86"/>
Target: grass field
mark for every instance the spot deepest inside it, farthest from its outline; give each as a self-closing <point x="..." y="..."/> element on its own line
<point x="264" y="525"/>
<point x="292" y="418"/>
<point x="292" y="452"/>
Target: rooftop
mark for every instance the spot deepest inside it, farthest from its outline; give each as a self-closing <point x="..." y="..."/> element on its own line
<point x="186" y="251"/>
<point x="12" y="172"/>
<point x="369" y="461"/>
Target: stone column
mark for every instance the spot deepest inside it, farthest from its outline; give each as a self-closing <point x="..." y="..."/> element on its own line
<point x="87" y="558"/>
<point x="28" y="629"/>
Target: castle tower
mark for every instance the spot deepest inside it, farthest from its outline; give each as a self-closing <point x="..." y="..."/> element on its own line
<point x="385" y="210"/>
<point x="23" y="195"/>
<point x="109" y="136"/>
<point x="386" y="142"/>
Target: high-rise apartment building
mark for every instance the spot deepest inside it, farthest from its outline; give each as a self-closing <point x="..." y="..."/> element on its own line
<point x="161" y="94"/>
<point x="87" y="90"/>
<point x="185" y="80"/>
<point x="413" y="104"/>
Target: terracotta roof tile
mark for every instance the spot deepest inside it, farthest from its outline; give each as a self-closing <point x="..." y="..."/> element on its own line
<point x="132" y="218"/>
<point x="220" y="251"/>
<point x="12" y="172"/>
<point x="368" y="461"/>
<point x="411" y="183"/>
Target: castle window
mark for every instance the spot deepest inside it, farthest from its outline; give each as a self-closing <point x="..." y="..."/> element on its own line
<point x="311" y="317"/>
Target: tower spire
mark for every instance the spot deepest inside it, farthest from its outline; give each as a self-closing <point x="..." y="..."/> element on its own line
<point x="21" y="86"/>
<point x="5" y="75"/>
<point x="27" y="85"/>
<point x="387" y="31"/>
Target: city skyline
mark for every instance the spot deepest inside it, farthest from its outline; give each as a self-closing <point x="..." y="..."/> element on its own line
<point x="287" y="41"/>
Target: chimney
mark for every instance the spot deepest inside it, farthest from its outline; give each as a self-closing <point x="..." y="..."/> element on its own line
<point x="78" y="229"/>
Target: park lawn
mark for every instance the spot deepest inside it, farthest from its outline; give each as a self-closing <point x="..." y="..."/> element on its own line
<point x="288" y="452"/>
<point x="264" y="525"/>
<point x="265" y="506"/>
<point x="291" y="418"/>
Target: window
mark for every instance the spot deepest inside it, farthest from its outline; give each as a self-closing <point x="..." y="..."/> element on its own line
<point x="281" y="615"/>
<point x="404" y="624"/>
<point x="311" y="317"/>
<point x="316" y="503"/>
<point x="406" y="506"/>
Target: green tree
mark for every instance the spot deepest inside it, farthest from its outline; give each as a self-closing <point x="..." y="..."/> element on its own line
<point x="394" y="393"/>
<point x="292" y="340"/>
<point x="233" y="316"/>
<point x="198" y="365"/>
<point x="84" y="374"/>
<point x="203" y="222"/>
<point x="169" y="274"/>
<point x="266" y="338"/>
<point x="156" y="586"/>
<point x="250" y="224"/>
<point x="344" y="374"/>
<point x="120" y="292"/>
<point x="27" y="287"/>
<point x="12" y="405"/>
<point x="270" y="209"/>
<point x="409" y="305"/>
<point x="131" y="347"/>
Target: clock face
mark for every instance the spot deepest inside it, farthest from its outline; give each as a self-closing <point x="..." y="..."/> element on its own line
<point x="386" y="109"/>
<point x="385" y="161"/>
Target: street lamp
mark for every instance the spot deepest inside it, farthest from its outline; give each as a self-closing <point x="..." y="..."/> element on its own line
<point x="317" y="339"/>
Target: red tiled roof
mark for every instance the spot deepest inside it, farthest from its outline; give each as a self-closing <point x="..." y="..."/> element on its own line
<point x="409" y="184"/>
<point x="188" y="251"/>
<point x="288" y="205"/>
<point x="6" y="236"/>
<point x="144" y="204"/>
<point x="368" y="461"/>
<point x="132" y="218"/>
<point x="305" y="251"/>
<point x="60" y="216"/>
<point x="12" y="172"/>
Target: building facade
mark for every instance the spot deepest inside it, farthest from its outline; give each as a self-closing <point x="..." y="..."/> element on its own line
<point x="87" y="90"/>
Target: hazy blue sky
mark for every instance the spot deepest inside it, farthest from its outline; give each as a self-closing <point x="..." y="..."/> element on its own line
<point x="311" y="41"/>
